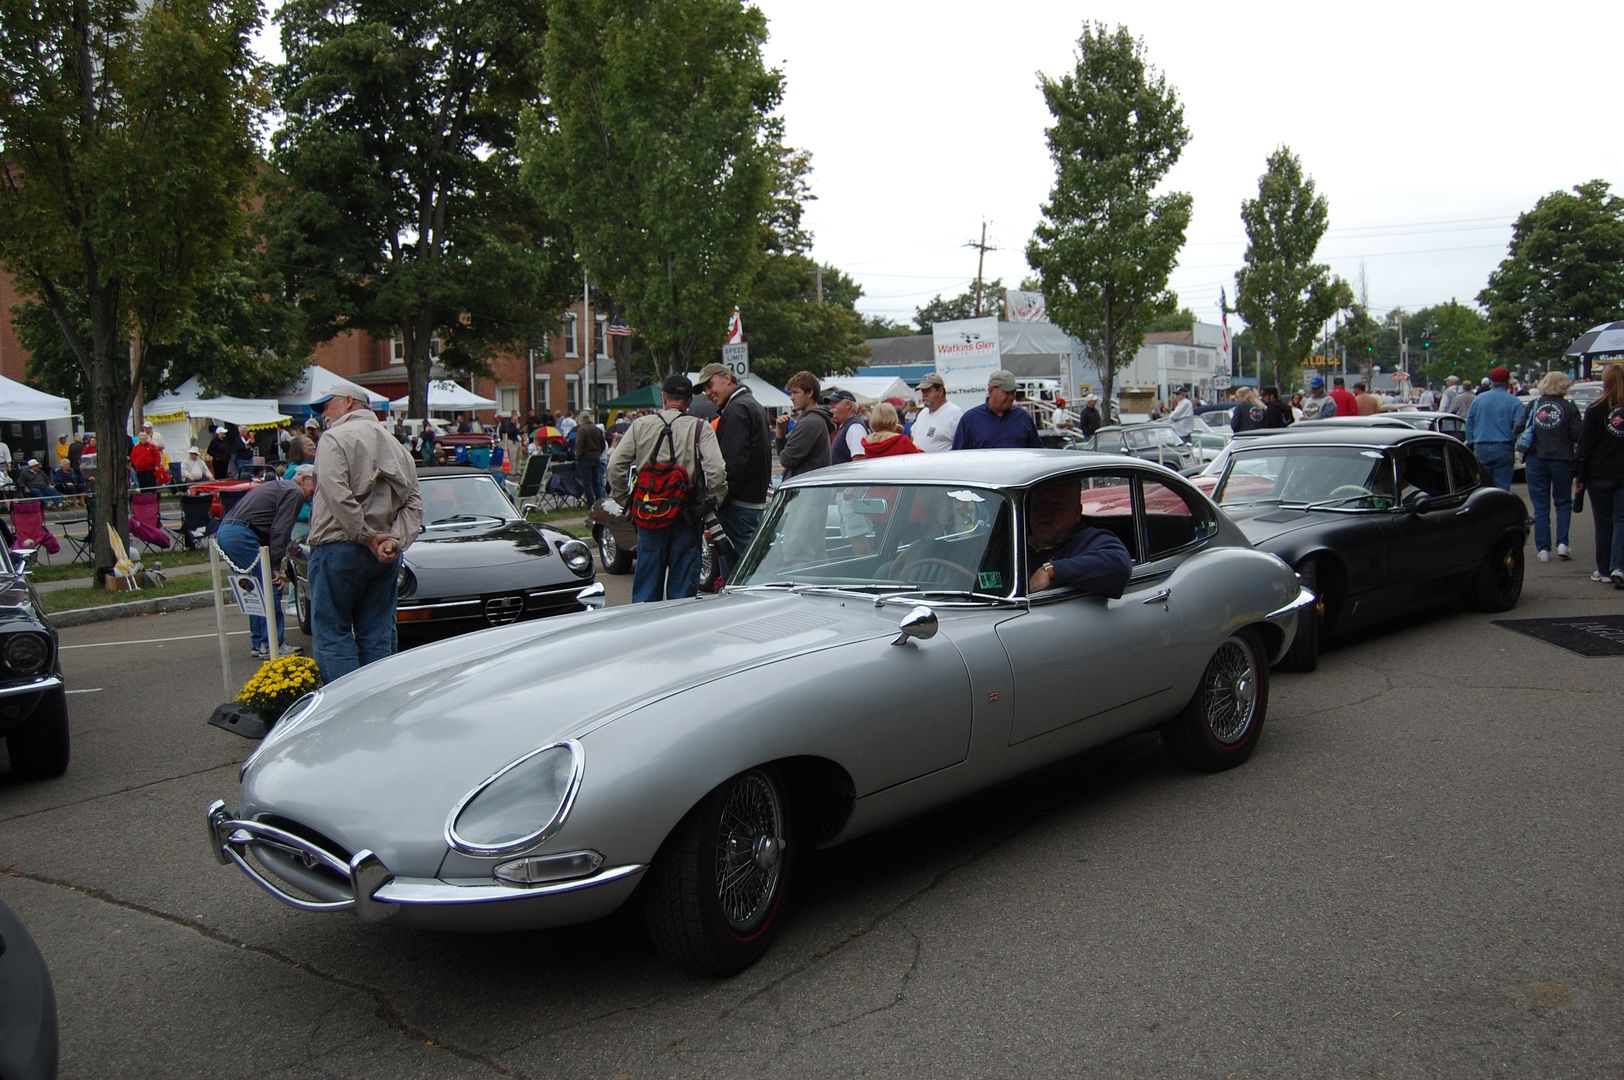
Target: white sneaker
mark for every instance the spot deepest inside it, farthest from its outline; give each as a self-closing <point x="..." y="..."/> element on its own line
<point x="1562" y="552"/>
<point x="1618" y="579"/>
<point x="1543" y="556"/>
<point x="1597" y="575"/>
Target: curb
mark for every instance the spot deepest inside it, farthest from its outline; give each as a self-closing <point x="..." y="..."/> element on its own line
<point x="132" y="608"/>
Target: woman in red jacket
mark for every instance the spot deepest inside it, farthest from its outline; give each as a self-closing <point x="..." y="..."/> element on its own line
<point x="145" y="459"/>
<point x="885" y="437"/>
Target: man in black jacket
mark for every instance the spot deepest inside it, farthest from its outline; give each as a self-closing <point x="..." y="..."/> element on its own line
<point x="747" y="447"/>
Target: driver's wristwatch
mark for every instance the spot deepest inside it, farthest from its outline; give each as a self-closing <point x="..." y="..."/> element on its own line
<point x="1049" y="567"/>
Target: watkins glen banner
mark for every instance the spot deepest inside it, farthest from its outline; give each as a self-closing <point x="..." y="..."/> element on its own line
<point x="966" y="352"/>
<point x="1023" y="306"/>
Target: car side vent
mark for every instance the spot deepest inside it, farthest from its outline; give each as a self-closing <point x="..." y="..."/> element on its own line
<point x="779" y="626"/>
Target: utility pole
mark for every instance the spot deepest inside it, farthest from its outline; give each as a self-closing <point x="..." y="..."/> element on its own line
<point x="588" y="353"/>
<point x="983" y="247"/>
<point x="820" y="284"/>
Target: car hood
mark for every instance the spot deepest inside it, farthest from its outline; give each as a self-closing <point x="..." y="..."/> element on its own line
<point x="483" y="543"/>
<point x="390" y="748"/>
<point x="1264" y="523"/>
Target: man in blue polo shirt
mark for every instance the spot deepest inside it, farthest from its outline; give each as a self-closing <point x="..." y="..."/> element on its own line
<point x="998" y="423"/>
<point x="1491" y="424"/>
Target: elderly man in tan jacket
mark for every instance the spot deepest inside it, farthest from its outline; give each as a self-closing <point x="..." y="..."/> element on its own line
<point x="668" y="557"/>
<point x="367" y="510"/>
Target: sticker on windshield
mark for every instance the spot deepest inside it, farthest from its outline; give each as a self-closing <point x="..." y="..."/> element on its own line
<point x="990" y="579"/>
<point x="1375" y="455"/>
<point x="965" y="496"/>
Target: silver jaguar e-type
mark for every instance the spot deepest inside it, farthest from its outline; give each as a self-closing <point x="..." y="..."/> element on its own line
<point x="541" y="774"/>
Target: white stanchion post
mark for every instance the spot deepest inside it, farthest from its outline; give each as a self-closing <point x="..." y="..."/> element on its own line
<point x="220" y="620"/>
<point x="266" y="595"/>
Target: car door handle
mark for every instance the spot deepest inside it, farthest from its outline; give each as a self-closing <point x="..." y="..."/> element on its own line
<point x="1158" y="597"/>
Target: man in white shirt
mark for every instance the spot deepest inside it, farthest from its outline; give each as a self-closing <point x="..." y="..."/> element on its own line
<point x="933" y="428"/>
<point x="1182" y="418"/>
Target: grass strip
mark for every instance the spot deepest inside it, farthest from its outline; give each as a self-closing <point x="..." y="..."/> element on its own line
<point x="90" y="596"/>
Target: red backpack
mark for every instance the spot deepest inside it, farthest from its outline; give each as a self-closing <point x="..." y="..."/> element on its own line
<point x="663" y="488"/>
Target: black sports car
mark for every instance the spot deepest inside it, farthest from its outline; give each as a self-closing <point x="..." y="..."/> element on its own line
<point x="477" y="563"/>
<point x="1378" y="521"/>
<point x="33" y="702"/>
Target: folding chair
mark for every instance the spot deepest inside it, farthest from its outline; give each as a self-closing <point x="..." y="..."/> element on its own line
<point x="196" y="523"/>
<point x="80" y="533"/>
<point x="28" y="524"/>
<point x="145" y="525"/>
<point x="563" y="490"/>
<point x="533" y="480"/>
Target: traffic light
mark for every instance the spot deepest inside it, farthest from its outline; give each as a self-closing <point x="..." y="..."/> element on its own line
<point x="1426" y="343"/>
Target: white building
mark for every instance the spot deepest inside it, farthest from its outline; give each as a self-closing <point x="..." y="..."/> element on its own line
<point x="1171" y="358"/>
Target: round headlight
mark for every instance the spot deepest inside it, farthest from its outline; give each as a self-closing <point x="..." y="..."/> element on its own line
<point x="26" y="653"/>
<point x="405" y="582"/>
<point x="520" y="806"/>
<point x="577" y="556"/>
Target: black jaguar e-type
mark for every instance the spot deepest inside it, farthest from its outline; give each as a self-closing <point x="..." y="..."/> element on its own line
<point x="33" y="701"/>
<point x="477" y="563"/>
<point x="1378" y="522"/>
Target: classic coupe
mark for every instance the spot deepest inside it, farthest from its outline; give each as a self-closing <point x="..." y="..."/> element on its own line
<point x="33" y="700"/>
<point x="688" y="751"/>
<point x="477" y="563"/>
<point x="1379" y="522"/>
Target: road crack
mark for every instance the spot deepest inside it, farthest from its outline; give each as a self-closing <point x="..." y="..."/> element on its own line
<point x="122" y="791"/>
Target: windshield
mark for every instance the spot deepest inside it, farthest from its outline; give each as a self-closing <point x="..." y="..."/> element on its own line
<point x="452" y="499"/>
<point x="888" y="537"/>
<point x="1344" y="477"/>
<point x="1141" y="437"/>
<point x="1584" y="394"/>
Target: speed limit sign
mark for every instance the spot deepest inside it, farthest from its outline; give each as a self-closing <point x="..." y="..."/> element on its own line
<point x="737" y="358"/>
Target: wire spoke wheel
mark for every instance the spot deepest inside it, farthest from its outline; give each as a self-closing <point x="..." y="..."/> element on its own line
<point x="1220" y="726"/>
<point x="749" y="849"/>
<point x="1231" y="692"/>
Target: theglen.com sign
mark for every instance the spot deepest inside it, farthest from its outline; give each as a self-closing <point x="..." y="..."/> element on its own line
<point x="966" y="353"/>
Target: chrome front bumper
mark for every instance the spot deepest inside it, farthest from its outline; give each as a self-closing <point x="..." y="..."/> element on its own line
<point x="363" y="884"/>
<point x="1286" y="618"/>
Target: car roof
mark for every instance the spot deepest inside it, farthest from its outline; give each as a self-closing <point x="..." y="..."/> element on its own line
<point x="1162" y="424"/>
<point x="983" y="468"/>
<point x="1344" y="435"/>
<point x="429" y="472"/>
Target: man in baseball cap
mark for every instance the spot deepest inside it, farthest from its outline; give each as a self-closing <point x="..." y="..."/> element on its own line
<point x="1491" y="425"/>
<point x="745" y="439"/>
<point x="1318" y="405"/>
<point x="998" y="423"/>
<point x="938" y="421"/>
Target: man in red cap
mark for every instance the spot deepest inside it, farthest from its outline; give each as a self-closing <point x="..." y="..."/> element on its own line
<point x="1491" y="424"/>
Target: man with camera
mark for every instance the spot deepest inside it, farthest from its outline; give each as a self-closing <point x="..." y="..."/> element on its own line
<point x="747" y="448"/>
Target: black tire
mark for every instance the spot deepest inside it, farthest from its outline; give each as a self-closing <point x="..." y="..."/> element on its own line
<point x="701" y="922"/>
<point x="610" y="555"/>
<point x="301" y="601"/>
<point x="39" y="749"/>
<point x="1223" y="721"/>
<point x="708" y="569"/>
<point x="1499" y="581"/>
<point x="1304" y="652"/>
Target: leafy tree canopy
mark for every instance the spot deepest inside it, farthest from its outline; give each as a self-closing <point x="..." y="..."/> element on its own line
<point x="1108" y="241"/>
<point x="788" y="330"/>
<point x="1181" y="319"/>
<point x="1280" y="291"/>
<point x="127" y="136"/>
<point x="962" y="306"/>
<point x="1445" y="339"/>
<point x="398" y="208"/>
<point x="878" y="326"/>
<point x="1563" y="274"/>
<point x="660" y="150"/>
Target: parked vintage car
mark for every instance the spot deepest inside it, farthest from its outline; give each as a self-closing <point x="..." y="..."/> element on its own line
<point x="477" y="563"/>
<point x="693" y="747"/>
<point x="1155" y="441"/>
<point x="616" y="539"/>
<point x="1379" y="522"/>
<point x="28" y="1023"/>
<point x="1420" y="419"/>
<point x="33" y="699"/>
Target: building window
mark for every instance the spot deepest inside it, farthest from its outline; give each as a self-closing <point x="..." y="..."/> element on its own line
<point x="541" y="351"/>
<point x="571" y="338"/>
<point x="540" y="396"/>
<point x="397" y="349"/>
<point x="507" y="399"/>
<point x="602" y="338"/>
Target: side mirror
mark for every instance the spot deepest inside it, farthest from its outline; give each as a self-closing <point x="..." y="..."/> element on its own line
<point x="919" y="623"/>
<point x="1417" y="502"/>
<point x="530" y="508"/>
<point x="21" y="558"/>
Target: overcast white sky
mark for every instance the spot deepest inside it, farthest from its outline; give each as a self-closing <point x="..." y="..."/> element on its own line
<point x="1428" y="127"/>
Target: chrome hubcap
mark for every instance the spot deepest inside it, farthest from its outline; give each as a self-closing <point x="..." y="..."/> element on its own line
<point x="749" y="852"/>
<point x="1231" y="692"/>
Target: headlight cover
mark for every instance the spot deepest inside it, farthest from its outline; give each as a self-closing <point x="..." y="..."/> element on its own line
<point x="292" y="717"/>
<point x="521" y="805"/>
<point x="577" y="556"/>
<point x="26" y="654"/>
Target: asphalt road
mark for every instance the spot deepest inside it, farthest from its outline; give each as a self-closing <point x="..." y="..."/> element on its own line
<point x="1418" y="874"/>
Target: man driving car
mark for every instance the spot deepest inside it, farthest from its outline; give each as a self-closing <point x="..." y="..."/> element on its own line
<point x="1067" y="552"/>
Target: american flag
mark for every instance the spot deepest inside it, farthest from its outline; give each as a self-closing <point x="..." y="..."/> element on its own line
<point x="1223" y="311"/>
<point x="735" y="329"/>
<point x="617" y="328"/>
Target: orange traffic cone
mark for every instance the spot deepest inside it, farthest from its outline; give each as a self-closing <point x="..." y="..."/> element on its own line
<point x="507" y="466"/>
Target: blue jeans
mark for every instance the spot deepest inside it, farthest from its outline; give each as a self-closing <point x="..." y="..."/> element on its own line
<point x="587" y="473"/>
<point x="352" y="607"/>
<point x="740" y="524"/>
<point x="242" y="548"/>
<point x="1548" y="479"/>
<point x="1607" y="504"/>
<point x="1499" y="461"/>
<point x="667" y="563"/>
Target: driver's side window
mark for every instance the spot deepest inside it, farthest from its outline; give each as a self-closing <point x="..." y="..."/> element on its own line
<point x="1108" y="504"/>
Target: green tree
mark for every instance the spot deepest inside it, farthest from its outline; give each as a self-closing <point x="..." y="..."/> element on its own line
<point x="1179" y="319"/>
<point x="1108" y="241"/>
<point x="660" y="151"/>
<point x="962" y="306"/>
<point x="1563" y="274"/>
<point x="878" y="326"/>
<point x="1450" y="339"/>
<point x="789" y="330"/>
<point x="1281" y="292"/>
<point x="398" y="207"/>
<point x="126" y="148"/>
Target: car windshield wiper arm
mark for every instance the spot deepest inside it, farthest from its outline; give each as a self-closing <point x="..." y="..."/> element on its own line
<point x="963" y="594"/>
<point x="1339" y="502"/>
<point x="457" y="519"/>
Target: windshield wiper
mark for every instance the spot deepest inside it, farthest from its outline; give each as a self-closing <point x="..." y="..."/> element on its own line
<point x="765" y="585"/>
<point x="457" y="519"/>
<point x="1339" y="502"/>
<point x="948" y="594"/>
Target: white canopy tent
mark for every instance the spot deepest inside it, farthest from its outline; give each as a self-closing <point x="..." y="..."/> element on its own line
<point x="447" y="396"/>
<point x="187" y="403"/>
<point x="317" y="382"/>
<point x="766" y="394"/>
<point x="18" y="401"/>
<point x="868" y="389"/>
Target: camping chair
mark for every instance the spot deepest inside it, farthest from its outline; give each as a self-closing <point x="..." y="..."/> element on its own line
<point x="28" y="523"/>
<point x="533" y="481"/>
<point x="145" y="524"/>
<point x="562" y="490"/>
<point x="80" y="533"/>
<point x="196" y="524"/>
